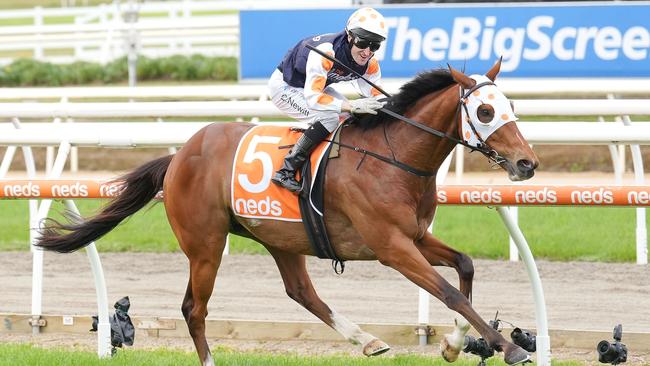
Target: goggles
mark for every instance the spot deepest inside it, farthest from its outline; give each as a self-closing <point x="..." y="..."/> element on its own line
<point x="363" y="43"/>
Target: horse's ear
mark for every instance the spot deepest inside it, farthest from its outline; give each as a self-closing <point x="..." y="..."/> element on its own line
<point x="492" y="74"/>
<point x="461" y="78"/>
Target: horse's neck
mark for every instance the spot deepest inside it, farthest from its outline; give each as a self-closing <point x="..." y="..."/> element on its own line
<point x="425" y="151"/>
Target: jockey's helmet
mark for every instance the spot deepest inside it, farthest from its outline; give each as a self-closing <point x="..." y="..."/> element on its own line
<point x="368" y="24"/>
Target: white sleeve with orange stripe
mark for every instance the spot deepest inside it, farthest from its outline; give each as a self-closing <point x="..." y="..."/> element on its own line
<point x="373" y="74"/>
<point x="315" y="77"/>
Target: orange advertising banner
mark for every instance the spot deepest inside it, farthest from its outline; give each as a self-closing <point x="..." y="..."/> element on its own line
<point x="544" y="195"/>
<point x="57" y="189"/>
<point x="486" y="195"/>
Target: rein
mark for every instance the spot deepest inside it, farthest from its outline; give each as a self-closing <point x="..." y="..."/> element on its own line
<point x="393" y="161"/>
<point x="483" y="148"/>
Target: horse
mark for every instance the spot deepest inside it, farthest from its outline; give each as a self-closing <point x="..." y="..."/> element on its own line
<point x="373" y="210"/>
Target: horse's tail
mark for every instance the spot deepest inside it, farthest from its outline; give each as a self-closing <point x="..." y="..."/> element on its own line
<point x="137" y="188"/>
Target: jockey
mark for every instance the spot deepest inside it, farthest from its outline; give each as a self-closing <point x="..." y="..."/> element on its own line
<point x="300" y="86"/>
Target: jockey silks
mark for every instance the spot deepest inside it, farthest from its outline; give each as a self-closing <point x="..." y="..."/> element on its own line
<point x="304" y="69"/>
<point x="293" y="65"/>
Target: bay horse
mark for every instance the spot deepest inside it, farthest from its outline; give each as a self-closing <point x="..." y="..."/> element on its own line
<point x="374" y="210"/>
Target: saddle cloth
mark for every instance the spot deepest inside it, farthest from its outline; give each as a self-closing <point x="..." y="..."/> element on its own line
<point x="259" y="155"/>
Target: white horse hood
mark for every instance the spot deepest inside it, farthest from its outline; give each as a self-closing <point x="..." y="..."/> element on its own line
<point x="489" y="95"/>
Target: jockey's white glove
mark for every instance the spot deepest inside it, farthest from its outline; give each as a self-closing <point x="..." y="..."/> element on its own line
<point x="365" y="105"/>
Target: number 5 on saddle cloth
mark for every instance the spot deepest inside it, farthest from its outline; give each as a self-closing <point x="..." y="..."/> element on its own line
<point x="253" y="196"/>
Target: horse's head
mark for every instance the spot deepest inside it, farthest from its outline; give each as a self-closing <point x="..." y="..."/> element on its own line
<point x="488" y="120"/>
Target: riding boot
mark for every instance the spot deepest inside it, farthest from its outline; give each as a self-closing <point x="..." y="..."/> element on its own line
<point x="299" y="153"/>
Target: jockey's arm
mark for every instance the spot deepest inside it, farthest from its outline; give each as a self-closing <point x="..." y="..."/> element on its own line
<point x="373" y="74"/>
<point x="368" y="104"/>
<point x="316" y="71"/>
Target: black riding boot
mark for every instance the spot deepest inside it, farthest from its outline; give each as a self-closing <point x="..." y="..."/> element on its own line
<point x="299" y="153"/>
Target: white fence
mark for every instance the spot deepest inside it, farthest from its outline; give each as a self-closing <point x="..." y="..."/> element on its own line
<point x="148" y="134"/>
<point x="524" y="107"/>
<point x="155" y="29"/>
<point x="106" y="41"/>
<point x="546" y="88"/>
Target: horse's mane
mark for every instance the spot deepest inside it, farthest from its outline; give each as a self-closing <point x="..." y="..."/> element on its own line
<point x="424" y="83"/>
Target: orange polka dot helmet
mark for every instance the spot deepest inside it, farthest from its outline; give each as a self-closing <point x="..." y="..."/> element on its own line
<point x="367" y="23"/>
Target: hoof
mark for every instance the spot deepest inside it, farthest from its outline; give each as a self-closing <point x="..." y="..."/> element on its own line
<point x="452" y="344"/>
<point x="516" y="356"/>
<point x="449" y="353"/>
<point x="375" y="348"/>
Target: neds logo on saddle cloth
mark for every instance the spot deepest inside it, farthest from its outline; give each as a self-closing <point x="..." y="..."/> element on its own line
<point x="257" y="158"/>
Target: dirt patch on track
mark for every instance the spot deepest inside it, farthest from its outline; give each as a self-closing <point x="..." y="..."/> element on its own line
<point x="579" y="295"/>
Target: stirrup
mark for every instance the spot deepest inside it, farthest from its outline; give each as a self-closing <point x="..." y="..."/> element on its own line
<point x="287" y="182"/>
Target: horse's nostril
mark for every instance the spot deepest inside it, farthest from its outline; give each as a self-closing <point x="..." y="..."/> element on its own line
<point x="525" y="165"/>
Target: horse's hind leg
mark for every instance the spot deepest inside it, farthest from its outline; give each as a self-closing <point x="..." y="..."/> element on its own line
<point x="186" y="306"/>
<point x="438" y="253"/>
<point x="205" y="257"/>
<point x="202" y="237"/>
<point x="299" y="287"/>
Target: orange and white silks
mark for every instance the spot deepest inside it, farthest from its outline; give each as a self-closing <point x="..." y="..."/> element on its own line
<point x="257" y="158"/>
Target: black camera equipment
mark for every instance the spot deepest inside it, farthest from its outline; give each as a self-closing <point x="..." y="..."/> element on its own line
<point x="521" y="337"/>
<point x="524" y="339"/>
<point x="122" y="330"/>
<point x="613" y="353"/>
<point x="480" y="346"/>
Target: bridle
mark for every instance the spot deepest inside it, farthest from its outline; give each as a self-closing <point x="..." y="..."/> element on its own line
<point x="481" y="147"/>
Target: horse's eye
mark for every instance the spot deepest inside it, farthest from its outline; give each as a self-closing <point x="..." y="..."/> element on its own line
<point x="485" y="113"/>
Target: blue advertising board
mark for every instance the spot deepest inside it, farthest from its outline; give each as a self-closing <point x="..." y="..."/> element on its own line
<point x="576" y="40"/>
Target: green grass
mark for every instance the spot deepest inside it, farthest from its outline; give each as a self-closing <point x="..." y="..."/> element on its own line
<point x="555" y="233"/>
<point x="26" y="355"/>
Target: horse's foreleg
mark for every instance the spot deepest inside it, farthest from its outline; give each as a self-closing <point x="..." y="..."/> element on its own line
<point x="402" y="255"/>
<point x="438" y="253"/>
<point x="299" y="288"/>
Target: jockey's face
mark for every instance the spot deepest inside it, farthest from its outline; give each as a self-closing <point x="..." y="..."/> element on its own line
<point x="360" y="55"/>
